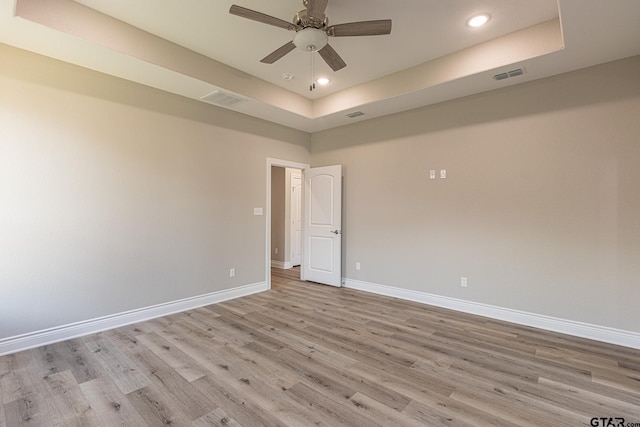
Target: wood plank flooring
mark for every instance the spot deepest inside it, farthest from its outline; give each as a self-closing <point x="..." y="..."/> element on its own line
<point x="309" y="355"/>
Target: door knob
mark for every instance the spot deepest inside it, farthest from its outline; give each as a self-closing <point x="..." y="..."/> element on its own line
<point x="335" y="231"/>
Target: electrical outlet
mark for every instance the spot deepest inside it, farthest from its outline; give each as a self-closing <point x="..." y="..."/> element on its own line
<point x="232" y="272"/>
<point x="463" y="282"/>
<point x="357" y="266"/>
<point x="443" y="173"/>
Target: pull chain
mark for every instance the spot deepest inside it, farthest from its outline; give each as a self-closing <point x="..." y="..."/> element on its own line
<point x="312" y="86"/>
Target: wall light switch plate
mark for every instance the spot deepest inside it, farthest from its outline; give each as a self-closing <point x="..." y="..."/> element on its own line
<point x="257" y="211"/>
<point x="443" y="173"/>
<point x="232" y="272"/>
<point x="432" y="174"/>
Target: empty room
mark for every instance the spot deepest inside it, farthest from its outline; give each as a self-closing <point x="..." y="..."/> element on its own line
<point x="320" y="212"/>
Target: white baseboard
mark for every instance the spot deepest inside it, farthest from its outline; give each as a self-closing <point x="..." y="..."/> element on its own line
<point x="74" y="330"/>
<point x="569" y="327"/>
<point x="281" y="265"/>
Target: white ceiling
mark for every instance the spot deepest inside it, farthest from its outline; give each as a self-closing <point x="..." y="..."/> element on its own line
<point x="192" y="47"/>
<point x="422" y="30"/>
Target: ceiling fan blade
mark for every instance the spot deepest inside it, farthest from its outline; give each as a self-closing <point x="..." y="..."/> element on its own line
<point x="364" y="28"/>
<point x="261" y="17"/>
<point x="278" y="53"/>
<point x="316" y="8"/>
<point x="332" y="58"/>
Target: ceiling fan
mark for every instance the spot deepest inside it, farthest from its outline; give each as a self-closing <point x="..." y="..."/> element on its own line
<point x="312" y="31"/>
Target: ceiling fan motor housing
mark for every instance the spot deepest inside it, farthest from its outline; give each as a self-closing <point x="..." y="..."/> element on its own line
<point x="303" y="20"/>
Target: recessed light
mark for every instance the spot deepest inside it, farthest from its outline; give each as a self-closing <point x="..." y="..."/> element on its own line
<point x="287" y="76"/>
<point x="478" y="20"/>
<point x="323" y="81"/>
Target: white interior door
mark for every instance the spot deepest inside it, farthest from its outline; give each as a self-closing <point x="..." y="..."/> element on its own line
<point x="322" y="226"/>
<point x="296" y="218"/>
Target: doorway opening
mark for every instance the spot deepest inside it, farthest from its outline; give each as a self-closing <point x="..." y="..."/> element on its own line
<point x="286" y="217"/>
<point x="283" y="249"/>
<point x="321" y="218"/>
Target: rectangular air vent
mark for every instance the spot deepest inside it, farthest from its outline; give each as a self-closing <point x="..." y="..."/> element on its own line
<point x="355" y="114"/>
<point x="508" y="74"/>
<point x="517" y="72"/>
<point x="223" y="99"/>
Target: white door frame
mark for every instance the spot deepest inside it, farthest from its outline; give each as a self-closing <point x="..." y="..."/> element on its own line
<point x="283" y="164"/>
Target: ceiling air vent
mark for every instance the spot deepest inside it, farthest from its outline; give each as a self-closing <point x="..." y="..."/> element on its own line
<point x="512" y="73"/>
<point x="223" y="99"/>
<point x="355" y="114"/>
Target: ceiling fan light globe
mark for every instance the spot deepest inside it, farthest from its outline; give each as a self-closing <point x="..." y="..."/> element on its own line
<point x="310" y="39"/>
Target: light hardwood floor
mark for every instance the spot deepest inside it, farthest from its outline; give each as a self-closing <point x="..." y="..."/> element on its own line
<point x="305" y="354"/>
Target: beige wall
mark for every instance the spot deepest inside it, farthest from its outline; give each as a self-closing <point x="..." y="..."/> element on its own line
<point x="115" y="196"/>
<point x="278" y="213"/>
<point x="540" y="208"/>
